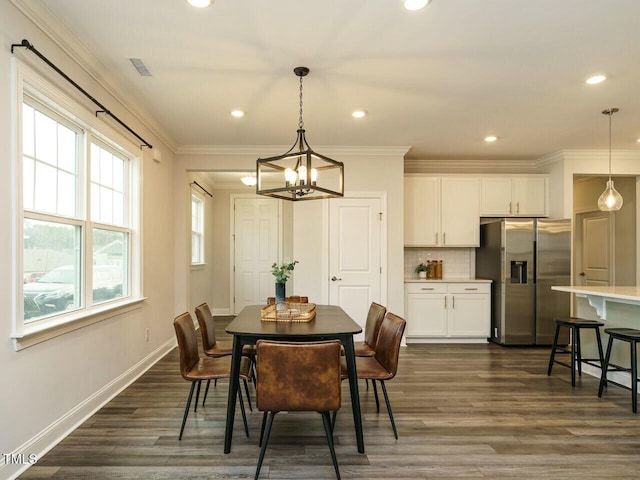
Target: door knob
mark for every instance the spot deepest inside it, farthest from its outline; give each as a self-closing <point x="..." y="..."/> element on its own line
<point x="335" y="279"/>
<point x="582" y="274"/>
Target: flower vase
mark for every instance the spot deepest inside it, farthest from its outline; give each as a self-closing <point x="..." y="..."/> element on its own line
<point x="280" y="292"/>
<point x="422" y="274"/>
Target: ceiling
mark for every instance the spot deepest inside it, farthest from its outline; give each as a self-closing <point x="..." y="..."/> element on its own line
<point x="438" y="80"/>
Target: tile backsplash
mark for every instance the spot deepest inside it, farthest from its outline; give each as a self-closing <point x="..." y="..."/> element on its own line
<point x="456" y="262"/>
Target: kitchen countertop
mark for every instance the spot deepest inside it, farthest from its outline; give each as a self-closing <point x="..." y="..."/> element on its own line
<point x="446" y="280"/>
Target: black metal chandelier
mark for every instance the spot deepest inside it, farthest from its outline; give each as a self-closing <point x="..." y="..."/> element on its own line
<point x="301" y="174"/>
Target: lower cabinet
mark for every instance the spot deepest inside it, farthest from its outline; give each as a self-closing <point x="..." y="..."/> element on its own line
<point x="451" y="312"/>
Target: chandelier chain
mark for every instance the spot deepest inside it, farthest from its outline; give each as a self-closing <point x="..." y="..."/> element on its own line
<point x="300" y="121"/>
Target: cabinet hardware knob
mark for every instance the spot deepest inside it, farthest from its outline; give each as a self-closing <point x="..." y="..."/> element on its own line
<point x="453" y="301"/>
<point x="426" y="289"/>
<point x="436" y="238"/>
<point x="444" y="238"/>
<point x="518" y="208"/>
<point x="470" y="288"/>
<point x="509" y="208"/>
<point x="445" y="302"/>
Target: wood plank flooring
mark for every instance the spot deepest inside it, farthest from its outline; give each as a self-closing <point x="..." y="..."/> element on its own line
<point x="462" y="411"/>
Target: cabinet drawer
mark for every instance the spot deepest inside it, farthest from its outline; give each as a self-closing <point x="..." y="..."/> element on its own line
<point x="426" y="287"/>
<point x="469" y="288"/>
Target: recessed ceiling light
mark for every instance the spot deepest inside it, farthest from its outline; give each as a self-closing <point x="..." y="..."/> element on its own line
<point x="596" y="79"/>
<point x="490" y="138"/>
<point x="199" y="3"/>
<point x="237" y="113"/>
<point x="249" y="179"/>
<point x="358" y="113"/>
<point x="415" y="4"/>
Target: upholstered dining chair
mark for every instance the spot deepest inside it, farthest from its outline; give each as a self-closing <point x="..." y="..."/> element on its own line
<point x="284" y="369"/>
<point x="215" y="349"/>
<point x="383" y="365"/>
<point x="195" y="369"/>
<point x="367" y="348"/>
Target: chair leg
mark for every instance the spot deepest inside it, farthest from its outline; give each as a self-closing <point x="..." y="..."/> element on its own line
<point x="634" y="377"/>
<point x="605" y="367"/>
<point x="553" y="349"/>
<point x="195" y="407"/>
<point x="328" y="430"/>
<point x="366" y="381"/>
<point x="263" y="449"/>
<point x="579" y="352"/>
<point x="375" y="392"/>
<point x="215" y="382"/>
<point x="186" y="409"/>
<point x="246" y="389"/>
<point x="573" y="357"/>
<point x="333" y="420"/>
<point x="244" y="415"/>
<point x="206" y="390"/>
<point x="600" y="352"/>
<point x="264" y="422"/>
<point x="386" y="399"/>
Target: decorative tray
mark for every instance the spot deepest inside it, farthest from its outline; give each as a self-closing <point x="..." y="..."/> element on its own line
<point x="288" y="312"/>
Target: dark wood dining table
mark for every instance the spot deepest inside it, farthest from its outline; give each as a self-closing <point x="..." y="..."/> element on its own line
<point x="331" y="322"/>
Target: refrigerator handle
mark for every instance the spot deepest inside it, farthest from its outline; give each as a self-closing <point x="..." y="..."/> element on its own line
<point x="535" y="261"/>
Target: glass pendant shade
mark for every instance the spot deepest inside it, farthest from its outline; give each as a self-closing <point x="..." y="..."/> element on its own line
<point x="610" y="200"/>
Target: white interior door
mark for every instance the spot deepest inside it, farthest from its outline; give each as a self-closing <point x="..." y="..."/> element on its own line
<point x="256" y="248"/>
<point x="596" y="248"/>
<point x="355" y="255"/>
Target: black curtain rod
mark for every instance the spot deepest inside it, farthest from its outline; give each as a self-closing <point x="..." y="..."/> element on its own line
<point x="26" y="44"/>
<point x="203" y="189"/>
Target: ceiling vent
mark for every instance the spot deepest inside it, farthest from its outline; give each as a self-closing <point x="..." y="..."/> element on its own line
<point x="140" y="67"/>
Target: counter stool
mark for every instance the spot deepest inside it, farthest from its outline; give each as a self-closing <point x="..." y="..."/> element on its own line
<point x="575" y="324"/>
<point x="626" y="335"/>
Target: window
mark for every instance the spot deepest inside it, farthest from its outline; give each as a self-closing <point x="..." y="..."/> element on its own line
<point x="78" y="215"/>
<point x="197" y="229"/>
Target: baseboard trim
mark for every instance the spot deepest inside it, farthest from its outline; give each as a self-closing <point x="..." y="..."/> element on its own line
<point x="48" y="438"/>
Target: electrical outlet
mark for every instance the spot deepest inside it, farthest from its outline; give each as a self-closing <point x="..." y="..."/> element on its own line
<point x="146" y="335"/>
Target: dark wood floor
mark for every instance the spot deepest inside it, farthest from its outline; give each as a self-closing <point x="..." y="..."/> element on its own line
<point x="463" y="411"/>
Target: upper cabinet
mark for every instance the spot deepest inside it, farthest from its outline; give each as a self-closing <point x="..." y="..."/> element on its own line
<point x="441" y="211"/>
<point x="514" y="196"/>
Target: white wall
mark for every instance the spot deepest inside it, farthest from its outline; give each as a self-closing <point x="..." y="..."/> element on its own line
<point x="49" y="387"/>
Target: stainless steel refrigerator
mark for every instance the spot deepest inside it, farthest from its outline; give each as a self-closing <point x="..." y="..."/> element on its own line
<point x="524" y="257"/>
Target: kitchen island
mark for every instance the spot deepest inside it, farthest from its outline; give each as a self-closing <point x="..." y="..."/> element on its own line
<point x="617" y="307"/>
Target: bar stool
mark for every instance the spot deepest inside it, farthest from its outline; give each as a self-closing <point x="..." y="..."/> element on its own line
<point x="626" y="335"/>
<point x="575" y="324"/>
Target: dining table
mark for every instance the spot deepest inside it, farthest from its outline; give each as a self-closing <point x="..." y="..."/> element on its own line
<point x="330" y="322"/>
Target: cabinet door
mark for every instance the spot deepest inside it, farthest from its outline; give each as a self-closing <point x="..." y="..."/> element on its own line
<point x="495" y="197"/>
<point x="530" y="196"/>
<point x="426" y="315"/>
<point x="469" y="316"/>
<point x="460" y="220"/>
<point x="422" y="211"/>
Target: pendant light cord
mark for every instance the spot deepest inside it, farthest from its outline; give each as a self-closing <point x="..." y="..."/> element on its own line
<point x="300" y="121"/>
<point x="611" y="111"/>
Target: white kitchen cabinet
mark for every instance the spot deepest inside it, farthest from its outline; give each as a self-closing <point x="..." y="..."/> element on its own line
<point x="441" y="211"/>
<point x="514" y="196"/>
<point x="448" y="312"/>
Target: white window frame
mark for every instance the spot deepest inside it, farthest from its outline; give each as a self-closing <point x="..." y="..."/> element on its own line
<point x="201" y="232"/>
<point x="28" y="84"/>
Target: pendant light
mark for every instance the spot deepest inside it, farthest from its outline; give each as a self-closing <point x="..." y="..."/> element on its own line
<point x="610" y="200"/>
<point x="300" y="174"/>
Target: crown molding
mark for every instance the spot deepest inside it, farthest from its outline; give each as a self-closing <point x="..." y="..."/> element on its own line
<point x="62" y="37"/>
<point x="417" y="166"/>
<point x="262" y="151"/>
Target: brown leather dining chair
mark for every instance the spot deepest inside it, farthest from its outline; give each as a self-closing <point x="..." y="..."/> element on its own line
<point x="195" y="369"/>
<point x="367" y="348"/>
<point x="284" y="369"/>
<point x="383" y="365"/>
<point x="215" y="349"/>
